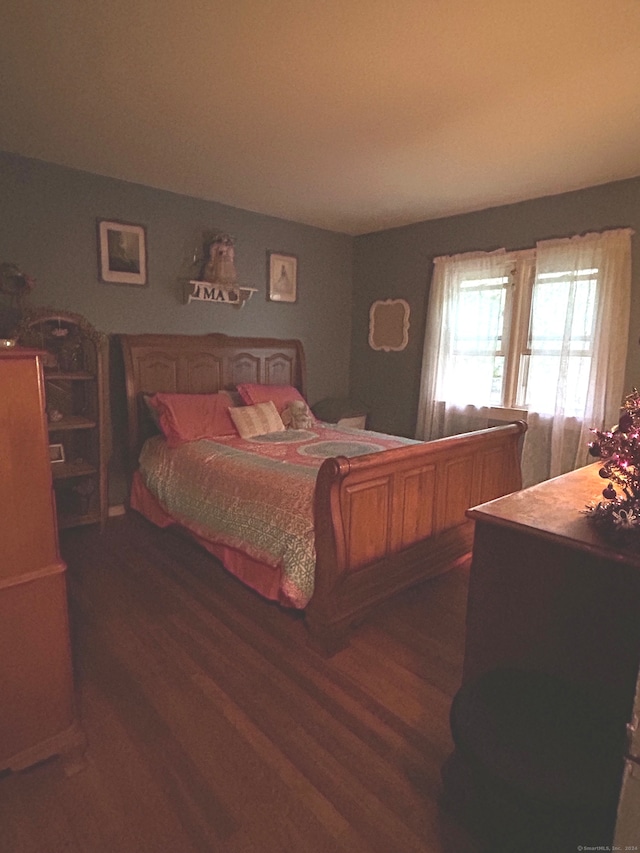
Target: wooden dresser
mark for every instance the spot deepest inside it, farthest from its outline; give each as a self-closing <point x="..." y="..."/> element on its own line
<point x="37" y="713"/>
<point x="548" y="592"/>
<point x="551" y="662"/>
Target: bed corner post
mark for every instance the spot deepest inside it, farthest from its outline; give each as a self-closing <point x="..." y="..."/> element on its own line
<point x="328" y="627"/>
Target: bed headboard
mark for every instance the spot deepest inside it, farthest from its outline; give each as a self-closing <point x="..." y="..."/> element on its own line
<point x="200" y="364"/>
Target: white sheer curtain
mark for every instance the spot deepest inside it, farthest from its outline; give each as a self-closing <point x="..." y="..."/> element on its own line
<point x="457" y="380"/>
<point x="573" y="369"/>
<point x="542" y="331"/>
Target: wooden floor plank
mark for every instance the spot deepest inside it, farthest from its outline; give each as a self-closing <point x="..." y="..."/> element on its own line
<point x="212" y="725"/>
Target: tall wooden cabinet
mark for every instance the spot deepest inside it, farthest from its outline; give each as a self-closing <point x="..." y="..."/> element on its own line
<point x="37" y="715"/>
<point x="76" y="388"/>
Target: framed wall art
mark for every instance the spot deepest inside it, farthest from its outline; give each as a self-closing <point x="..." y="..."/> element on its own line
<point x="56" y="453"/>
<point x="122" y="252"/>
<point x="389" y="325"/>
<point x="283" y="277"/>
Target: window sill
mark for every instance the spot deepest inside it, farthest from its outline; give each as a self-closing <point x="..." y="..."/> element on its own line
<point x="504" y="413"/>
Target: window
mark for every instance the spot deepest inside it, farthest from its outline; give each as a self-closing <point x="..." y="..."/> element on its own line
<point x="559" y="347"/>
<point x="540" y="333"/>
<point x="476" y="368"/>
<point x="498" y="360"/>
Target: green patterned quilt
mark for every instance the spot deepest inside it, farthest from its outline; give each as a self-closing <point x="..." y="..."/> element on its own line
<point x="256" y="495"/>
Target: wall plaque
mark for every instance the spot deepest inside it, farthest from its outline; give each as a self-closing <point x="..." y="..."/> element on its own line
<point x="389" y="325"/>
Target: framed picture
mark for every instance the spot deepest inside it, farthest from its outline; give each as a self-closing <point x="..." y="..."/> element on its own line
<point x="283" y="277"/>
<point x="56" y="453"/>
<point x="122" y="252"/>
<point x="389" y="325"/>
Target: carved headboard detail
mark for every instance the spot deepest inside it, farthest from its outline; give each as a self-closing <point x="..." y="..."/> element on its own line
<point x="200" y="364"/>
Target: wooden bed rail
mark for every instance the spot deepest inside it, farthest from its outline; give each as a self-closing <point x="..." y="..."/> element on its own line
<point x="405" y="508"/>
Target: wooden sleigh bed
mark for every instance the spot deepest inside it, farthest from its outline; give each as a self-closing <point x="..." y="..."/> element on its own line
<point x="382" y="521"/>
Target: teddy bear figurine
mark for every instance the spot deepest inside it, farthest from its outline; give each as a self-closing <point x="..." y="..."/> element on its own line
<point x="297" y="415"/>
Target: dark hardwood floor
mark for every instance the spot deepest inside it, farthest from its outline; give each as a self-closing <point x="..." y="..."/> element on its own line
<point x="211" y="725"/>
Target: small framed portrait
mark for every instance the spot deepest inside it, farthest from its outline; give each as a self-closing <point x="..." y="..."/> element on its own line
<point x="283" y="277"/>
<point x="56" y="453"/>
<point x="122" y="252"/>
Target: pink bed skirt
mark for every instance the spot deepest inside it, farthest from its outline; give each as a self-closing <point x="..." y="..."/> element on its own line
<point x="264" y="579"/>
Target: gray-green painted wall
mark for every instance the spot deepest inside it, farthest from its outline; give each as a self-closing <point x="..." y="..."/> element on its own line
<point x="48" y="227"/>
<point x="398" y="264"/>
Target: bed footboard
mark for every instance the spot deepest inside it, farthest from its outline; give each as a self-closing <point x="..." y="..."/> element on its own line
<point x="387" y="521"/>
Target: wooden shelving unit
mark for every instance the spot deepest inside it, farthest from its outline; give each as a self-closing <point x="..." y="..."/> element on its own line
<point x="76" y="385"/>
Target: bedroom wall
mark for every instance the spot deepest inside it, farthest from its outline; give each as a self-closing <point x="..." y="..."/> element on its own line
<point x="398" y="264"/>
<point x="48" y="227"/>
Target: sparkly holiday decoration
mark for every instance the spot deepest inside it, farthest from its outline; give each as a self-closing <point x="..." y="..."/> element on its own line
<point x="619" y="448"/>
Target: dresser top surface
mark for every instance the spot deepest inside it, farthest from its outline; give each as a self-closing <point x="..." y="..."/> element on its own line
<point x="552" y="510"/>
<point x="19" y="352"/>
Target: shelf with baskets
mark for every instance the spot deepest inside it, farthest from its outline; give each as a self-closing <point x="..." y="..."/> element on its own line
<point x="76" y="386"/>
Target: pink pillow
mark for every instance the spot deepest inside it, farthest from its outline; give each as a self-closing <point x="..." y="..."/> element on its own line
<point x="280" y="395"/>
<point x="188" y="417"/>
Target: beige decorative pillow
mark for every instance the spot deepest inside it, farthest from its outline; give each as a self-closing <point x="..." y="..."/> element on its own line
<point x="256" y="420"/>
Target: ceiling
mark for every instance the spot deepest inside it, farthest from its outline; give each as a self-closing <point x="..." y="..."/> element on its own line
<point x="350" y="115"/>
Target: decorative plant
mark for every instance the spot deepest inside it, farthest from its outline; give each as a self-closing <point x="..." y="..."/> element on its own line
<point x="619" y="448"/>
